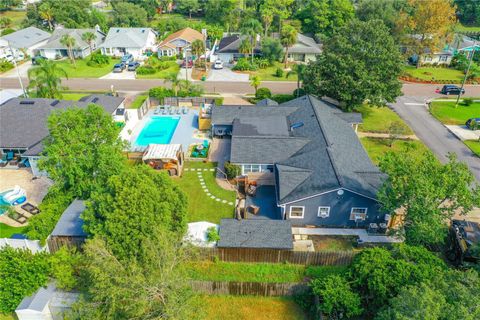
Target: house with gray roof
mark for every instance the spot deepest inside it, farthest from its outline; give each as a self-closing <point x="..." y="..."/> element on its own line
<point x="23" y="122"/>
<point x="305" y="49"/>
<point x="27" y="40"/>
<point x="307" y="152"/>
<point x="139" y="42"/>
<point x="54" y="49"/>
<point x="229" y="48"/>
<point x="69" y="229"/>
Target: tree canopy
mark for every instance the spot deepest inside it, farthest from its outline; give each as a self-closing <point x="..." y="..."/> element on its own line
<point x="46" y="79"/>
<point x="387" y="11"/>
<point x="429" y="192"/>
<point x="468" y="11"/>
<point x="71" y="14"/>
<point x="126" y="14"/>
<point x="361" y="63"/>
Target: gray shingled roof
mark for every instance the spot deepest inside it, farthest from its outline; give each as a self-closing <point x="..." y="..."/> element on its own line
<point x="126" y="37"/>
<point x="23" y="122"/>
<point x="70" y="223"/>
<point x="267" y="102"/>
<point x="55" y="40"/>
<point x="25" y="38"/>
<point x="256" y="233"/>
<point x="224" y="115"/>
<point x="231" y="44"/>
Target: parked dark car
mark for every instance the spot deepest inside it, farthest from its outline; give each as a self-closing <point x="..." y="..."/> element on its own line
<point x="184" y="63"/>
<point x="473" y="123"/>
<point x="132" y="66"/>
<point x="451" y="89"/>
<point x="119" y="67"/>
<point x="37" y="59"/>
<point x="127" y="58"/>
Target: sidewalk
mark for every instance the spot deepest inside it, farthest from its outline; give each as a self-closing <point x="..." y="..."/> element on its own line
<point x="385" y="136"/>
<point x="360" y="233"/>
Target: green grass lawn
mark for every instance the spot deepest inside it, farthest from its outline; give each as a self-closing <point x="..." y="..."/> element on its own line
<point x="201" y="207"/>
<point x="434" y="74"/>
<point x="379" y="119"/>
<point x="474" y="145"/>
<point x="257" y="272"/>
<point x="376" y="148"/>
<point x="138" y="101"/>
<point x="220" y="307"/>
<point x="7" y="316"/>
<point x="83" y="71"/>
<point x="17" y="18"/>
<point x="462" y="28"/>
<point x="162" y="74"/>
<point x="268" y="74"/>
<point x="74" y="96"/>
<point x="7" y="231"/>
<point x="446" y="112"/>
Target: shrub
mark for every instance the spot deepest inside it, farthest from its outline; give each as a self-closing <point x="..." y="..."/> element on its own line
<point x="146" y="70"/>
<point x="281" y="98"/>
<point x="212" y="234"/>
<point x="232" y="170"/>
<point x="467" y="101"/>
<point x="5" y="65"/>
<point x="219" y="101"/>
<point x="263" y="93"/>
<point x="262" y="63"/>
<point x="279" y="73"/>
<point x="7" y="31"/>
<point x="244" y="65"/>
<point x="98" y="60"/>
<point x="299" y="92"/>
<point x="160" y="93"/>
<point x="166" y="58"/>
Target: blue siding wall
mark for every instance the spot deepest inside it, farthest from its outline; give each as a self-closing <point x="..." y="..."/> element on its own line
<point x="340" y="208"/>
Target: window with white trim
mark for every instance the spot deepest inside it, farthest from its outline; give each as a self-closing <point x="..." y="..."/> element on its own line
<point x="296" y="212"/>
<point x="323" y="212"/>
<point x="358" y="214"/>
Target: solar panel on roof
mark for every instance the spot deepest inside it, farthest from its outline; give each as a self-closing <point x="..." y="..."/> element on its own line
<point x="54" y="103"/>
<point x="95" y="100"/>
<point x="27" y="102"/>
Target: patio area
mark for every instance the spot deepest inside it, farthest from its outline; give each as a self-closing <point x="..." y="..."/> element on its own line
<point x="36" y="190"/>
<point x="264" y="200"/>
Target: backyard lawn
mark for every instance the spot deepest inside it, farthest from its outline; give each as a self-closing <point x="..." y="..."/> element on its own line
<point x="257" y="272"/>
<point x="7" y="231"/>
<point x="82" y="70"/>
<point x="474" y="145"/>
<point x="462" y="28"/>
<point x="200" y="206"/>
<point x="250" y="307"/>
<point x="17" y="18"/>
<point x="163" y="74"/>
<point x="376" y="148"/>
<point x="378" y="120"/>
<point x="446" y="112"/>
<point x="434" y="74"/>
<point x="138" y="101"/>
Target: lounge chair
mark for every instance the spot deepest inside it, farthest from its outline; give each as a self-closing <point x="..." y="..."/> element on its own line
<point x="195" y="154"/>
<point x="178" y="110"/>
<point x="185" y="110"/>
<point x="157" y="110"/>
<point x="30" y="208"/>
<point x="10" y="156"/>
<point x="172" y="111"/>
<point x="165" y="110"/>
<point x="205" y="143"/>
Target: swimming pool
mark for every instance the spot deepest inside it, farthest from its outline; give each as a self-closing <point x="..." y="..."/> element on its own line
<point x="157" y="130"/>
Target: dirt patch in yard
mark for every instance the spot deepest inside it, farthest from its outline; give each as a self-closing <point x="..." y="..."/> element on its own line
<point x="333" y="243"/>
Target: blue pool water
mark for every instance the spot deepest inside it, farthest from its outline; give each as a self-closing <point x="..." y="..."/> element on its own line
<point x="158" y="130"/>
<point x="3" y="205"/>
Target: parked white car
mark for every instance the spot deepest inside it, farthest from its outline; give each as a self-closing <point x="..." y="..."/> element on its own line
<point x="218" y="64"/>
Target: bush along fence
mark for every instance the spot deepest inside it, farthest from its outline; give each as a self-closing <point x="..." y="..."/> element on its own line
<point x="249" y="288"/>
<point x="327" y="258"/>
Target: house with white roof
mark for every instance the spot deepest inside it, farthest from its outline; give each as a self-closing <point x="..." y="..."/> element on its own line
<point x="26" y="40"/>
<point x="139" y="42"/>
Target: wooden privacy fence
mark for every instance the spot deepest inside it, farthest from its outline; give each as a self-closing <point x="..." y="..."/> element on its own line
<point x="143" y="108"/>
<point x="248" y="288"/>
<point x="329" y="258"/>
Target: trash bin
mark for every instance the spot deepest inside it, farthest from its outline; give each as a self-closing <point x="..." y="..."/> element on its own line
<point x="203" y="78"/>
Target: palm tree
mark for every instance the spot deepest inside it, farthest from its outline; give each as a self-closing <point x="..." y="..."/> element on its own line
<point x="175" y="81"/>
<point x="89" y="37"/>
<point x="45" y="12"/>
<point x="255" y="82"/>
<point x="198" y="48"/>
<point x="299" y="70"/>
<point x="45" y="79"/>
<point x="288" y="37"/>
<point x="69" y="42"/>
<point x="251" y="28"/>
<point x="245" y="47"/>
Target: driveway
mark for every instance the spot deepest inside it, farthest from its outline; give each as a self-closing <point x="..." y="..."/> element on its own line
<point x="226" y="74"/>
<point x="22" y="69"/>
<point x="125" y="75"/>
<point x="434" y="134"/>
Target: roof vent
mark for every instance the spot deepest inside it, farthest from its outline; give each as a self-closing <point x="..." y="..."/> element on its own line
<point x="118" y="30"/>
<point x="27" y="102"/>
<point x="54" y="103"/>
<point x="143" y="30"/>
<point x="296" y="125"/>
<point x="95" y="100"/>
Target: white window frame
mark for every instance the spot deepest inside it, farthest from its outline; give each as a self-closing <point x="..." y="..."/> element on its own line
<point x="323" y="216"/>
<point x="295" y="217"/>
<point x="355" y="215"/>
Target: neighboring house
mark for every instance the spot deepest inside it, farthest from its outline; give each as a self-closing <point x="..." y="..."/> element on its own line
<point x="139" y="42"/>
<point x="306" y="151"/>
<point x="46" y="304"/>
<point x="443" y="57"/>
<point x="54" y="49"/>
<point x="69" y="229"/>
<point x="23" y="122"/>
<point x="26" y="40"/>
<point x="466" y="45"/>
<point x="177" y="42"/>
<point x="305" y="49"/>
<point x="229" y="46"/>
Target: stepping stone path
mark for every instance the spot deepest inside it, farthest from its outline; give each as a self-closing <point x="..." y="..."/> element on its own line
<point x="203" y="185"/>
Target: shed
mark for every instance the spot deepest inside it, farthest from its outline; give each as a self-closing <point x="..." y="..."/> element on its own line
<point x="256" y="234"/>
<point x="165" y="157"/>
<point x="69" y="229"/>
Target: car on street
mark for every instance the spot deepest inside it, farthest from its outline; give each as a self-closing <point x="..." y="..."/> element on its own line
<point x="185" y="65"/>
<point x="37" y="59"/>
<point x="218" y="64"/>
<point x="451" y="89"/>
<point x="132" y="66"/>
<point x="473" y="123"/>
<point x="127" y="58"/>
<point x="119" y="67"/>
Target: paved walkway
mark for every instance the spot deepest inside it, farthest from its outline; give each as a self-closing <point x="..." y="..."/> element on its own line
<point x="360" y="233"/>
<point x="463" y="133"/>
<point x="204" y="186"/>
<point x="385" y="136"/>
<point x="22" y="69"/>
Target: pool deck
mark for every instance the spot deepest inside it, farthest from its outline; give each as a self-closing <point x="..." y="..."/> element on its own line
<point x="184" y="132"/>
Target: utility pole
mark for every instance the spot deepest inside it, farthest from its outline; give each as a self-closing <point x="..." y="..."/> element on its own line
<point x="18" y="72"/>
<point x="466" y="73"/>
